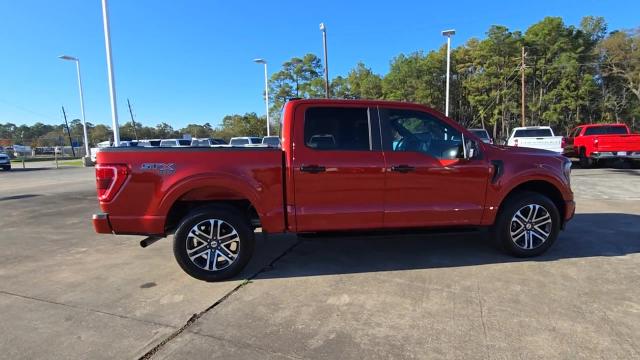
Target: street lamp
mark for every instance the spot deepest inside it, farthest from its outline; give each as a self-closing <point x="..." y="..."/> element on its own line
<point x="448" y="34"/>
<point x="112" y="84"/>
<point x="84" y="120"/>
<point x="326" y="62"/>
<point x="266" y="89"/>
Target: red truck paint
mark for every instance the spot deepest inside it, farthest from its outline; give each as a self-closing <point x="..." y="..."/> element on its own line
<point x="357" y="191"/>
<point x="580" y="143"/>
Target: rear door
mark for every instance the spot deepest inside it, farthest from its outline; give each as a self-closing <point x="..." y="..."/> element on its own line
<point x="427" y="184"/>
<point x="338" y="168"/>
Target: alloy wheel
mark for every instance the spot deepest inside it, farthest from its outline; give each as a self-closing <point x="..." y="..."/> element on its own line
<point x="213" y="244"/>
<point x="530" y="226"/>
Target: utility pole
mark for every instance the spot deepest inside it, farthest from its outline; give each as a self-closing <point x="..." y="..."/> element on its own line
<point x="323" y="28"/>
<point x="522" y="67"/>
<point x="112" y="82"/>
<point x="135" y="132"/>
<point x="448" y="34"/>
<point x="68" y="133"/>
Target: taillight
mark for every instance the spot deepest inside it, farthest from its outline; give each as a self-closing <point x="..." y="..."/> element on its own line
<point x="564" y="142"/>
<point x="595" y="142"/>
<point x="515" y="142"/>
<point x="109" y="180"/>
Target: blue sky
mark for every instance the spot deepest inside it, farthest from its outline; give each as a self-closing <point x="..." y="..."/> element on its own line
<point x="190" y="61"/>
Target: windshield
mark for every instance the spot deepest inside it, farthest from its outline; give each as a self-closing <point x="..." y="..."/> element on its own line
<point x="606" y="130"/>
<point x="256" y="140"/>
<point x="532" y="133"/>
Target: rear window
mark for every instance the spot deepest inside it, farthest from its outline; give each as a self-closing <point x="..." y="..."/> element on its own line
<point x="329" y="128"/>
<point x="256" y="140"/>
<point x="482" y="134"/>
<point x="532" y="133"/>
<point x="271" y="141"/>
<point x="606" y="130"/>
<point x="242" y="141"/>
<point x="184" y="142"/>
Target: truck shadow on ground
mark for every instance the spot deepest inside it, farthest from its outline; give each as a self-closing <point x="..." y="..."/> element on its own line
<point x="609" y="164"/>
<point x="587" y="235"/>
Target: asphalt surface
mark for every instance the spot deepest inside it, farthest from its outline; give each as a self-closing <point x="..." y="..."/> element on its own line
<point x="66" y="292"/>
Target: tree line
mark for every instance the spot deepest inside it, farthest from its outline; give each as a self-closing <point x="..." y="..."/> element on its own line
<point x="572" y="75"/>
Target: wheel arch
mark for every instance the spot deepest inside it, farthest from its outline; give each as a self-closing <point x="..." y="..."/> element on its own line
<point x="542" y="187"/>
<point x="211" y="190"/>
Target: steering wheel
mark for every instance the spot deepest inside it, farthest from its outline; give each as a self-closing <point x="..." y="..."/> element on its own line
<point x="414" y="142"/>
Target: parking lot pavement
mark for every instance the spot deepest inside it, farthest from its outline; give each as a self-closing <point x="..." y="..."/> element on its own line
<point x="67" y="292"/>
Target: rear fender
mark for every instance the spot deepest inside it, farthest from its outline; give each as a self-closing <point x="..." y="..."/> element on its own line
<point x="213" y="187"/>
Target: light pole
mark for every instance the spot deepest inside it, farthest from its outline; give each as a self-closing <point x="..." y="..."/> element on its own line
<point x="448" y="34"/>
<point x="266" y="90"/>
<point x="112" y="84"/>
<point x="326" y="61"/>
<point x="87" y="153"/>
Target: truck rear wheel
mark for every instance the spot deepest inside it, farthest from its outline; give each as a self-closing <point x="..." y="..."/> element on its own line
<point x="527" y="225"/>
<point x="585" y="162"/>
<point x="213" y="243"/>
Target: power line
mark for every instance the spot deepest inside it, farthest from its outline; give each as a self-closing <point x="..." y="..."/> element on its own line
<point x="24" y="109"/>
<point x="507" y="83"/>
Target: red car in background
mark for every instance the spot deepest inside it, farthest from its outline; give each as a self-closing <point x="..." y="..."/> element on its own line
<point x="594" y="142"/>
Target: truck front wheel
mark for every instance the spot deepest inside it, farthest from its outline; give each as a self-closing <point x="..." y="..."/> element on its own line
<point x="527" y="225"/>
<point x="213" y="243"/>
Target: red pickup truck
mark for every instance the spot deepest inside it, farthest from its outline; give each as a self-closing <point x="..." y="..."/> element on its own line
<point x="594" y="142"/>
<point x="344" y="165"/>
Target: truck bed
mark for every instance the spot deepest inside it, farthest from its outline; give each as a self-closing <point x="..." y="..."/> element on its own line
<point x="158" y="177"/>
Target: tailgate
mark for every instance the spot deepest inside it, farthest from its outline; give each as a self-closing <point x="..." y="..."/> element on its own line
<point x="618" y="142"/>
<point x="553" y="143"/>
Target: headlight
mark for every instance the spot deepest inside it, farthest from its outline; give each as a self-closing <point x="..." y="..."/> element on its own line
<point x="567" y="170"/>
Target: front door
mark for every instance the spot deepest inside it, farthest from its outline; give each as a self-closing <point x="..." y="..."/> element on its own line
<point x="338" y="168"/>
<point x="428" y="183"/>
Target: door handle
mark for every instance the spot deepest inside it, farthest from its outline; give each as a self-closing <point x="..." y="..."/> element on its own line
<point x="403" y="168"/>
<point x="313" y="169"/>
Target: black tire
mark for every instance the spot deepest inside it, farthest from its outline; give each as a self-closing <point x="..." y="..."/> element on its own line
<point x="6" y="168"/>
<point x="585" y="162"/>
<point x="184" y="238"/>
<point x="501" y="231"/>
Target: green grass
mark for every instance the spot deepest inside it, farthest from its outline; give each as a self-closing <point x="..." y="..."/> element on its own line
<point x="77" y="162"/>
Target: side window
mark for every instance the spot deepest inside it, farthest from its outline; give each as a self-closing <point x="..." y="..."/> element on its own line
<point x="329" y="128"/>
<point x="409" y="130"/>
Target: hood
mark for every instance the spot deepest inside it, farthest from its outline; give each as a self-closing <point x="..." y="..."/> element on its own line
<point x="503" y="149"/>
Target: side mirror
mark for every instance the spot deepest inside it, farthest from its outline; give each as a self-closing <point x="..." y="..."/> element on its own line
<point x="468" y="149"/>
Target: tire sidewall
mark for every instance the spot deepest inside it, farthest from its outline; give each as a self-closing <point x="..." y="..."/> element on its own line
<point x="233" y="218"/>
<point x="514" y="204"/>
<point x="585" y="162"/>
